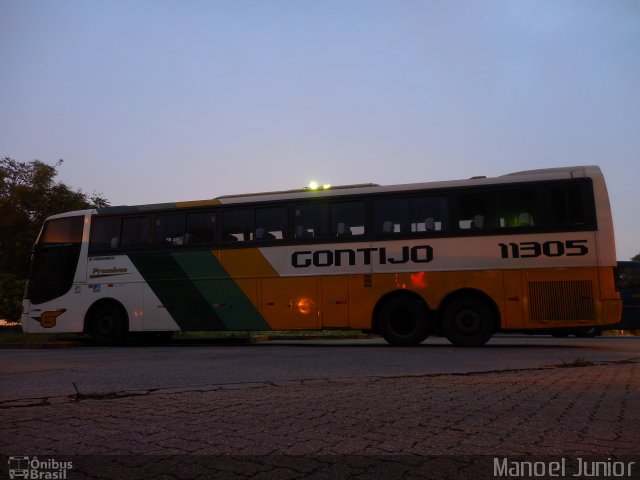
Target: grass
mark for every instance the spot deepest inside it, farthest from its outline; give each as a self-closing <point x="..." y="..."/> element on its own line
<point x="268" y="333"/>
<point x="578" y="362"/>
<point x="13" y="335"/>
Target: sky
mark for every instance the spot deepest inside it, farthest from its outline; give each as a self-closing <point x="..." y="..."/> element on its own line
<point x="151" y="101"/>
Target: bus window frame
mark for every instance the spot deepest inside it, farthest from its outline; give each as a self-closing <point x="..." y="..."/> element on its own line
<point x="451" y="195"/>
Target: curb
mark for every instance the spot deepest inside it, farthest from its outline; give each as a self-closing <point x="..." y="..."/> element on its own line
<point x="208" y="341"/>
<point x="41" y="345"/>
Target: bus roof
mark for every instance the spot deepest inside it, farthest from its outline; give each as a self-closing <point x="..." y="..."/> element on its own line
<point x="367" y="188"/>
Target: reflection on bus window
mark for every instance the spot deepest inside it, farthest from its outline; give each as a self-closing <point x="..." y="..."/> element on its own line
<point x="63" y="230"/>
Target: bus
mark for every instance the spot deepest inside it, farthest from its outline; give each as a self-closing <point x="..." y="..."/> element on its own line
<point x="527" y="251"/>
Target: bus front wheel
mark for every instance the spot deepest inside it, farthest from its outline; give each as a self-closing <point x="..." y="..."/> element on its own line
<point x="403" y="321"/>
<point x="108" y="326"/>
<point x="468" y="322"/>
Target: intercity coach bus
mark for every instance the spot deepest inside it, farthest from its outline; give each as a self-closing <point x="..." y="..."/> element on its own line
<point x="526" y="251"/>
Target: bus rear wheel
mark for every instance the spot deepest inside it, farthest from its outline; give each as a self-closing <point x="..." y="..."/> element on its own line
<point x="403" y="321"/>
<point x="468" y="322"/>
<point x="108" y="326"/>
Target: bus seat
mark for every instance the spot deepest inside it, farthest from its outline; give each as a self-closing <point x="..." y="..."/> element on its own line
<point x="387" y="227"/>
<point x="525" y="220"/>
<point x="429" y="224"/>
<point x="263" y="234"/>
<point x="342" y="229"/>
<point x="191" y="239"/>
<point x="115" y="242"/>
<point x="478" y="221"/>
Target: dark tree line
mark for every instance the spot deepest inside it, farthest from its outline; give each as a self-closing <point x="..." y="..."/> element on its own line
<point x="29" y="193"/>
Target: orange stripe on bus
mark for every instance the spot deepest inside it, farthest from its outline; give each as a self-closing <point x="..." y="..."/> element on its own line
<point x="198" y="203"/>
<point x="245" y="262"/>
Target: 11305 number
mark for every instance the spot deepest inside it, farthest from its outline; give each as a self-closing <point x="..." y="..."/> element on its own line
<point x="551" y="248"/>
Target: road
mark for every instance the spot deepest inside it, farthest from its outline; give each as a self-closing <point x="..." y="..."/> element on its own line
<point x="55" y="374"/>
<point x="321" y="409"/>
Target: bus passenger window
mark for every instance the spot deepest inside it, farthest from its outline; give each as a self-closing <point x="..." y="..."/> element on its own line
<point x="478" y="211"/>
<point x="347" y="218"/>
<point x="169" y="229"/>
<point x="238" y="225"/>
<point x="135" y="231"/>
<point x="311" y="220"/>
<point x="569" y="205"/>
<point x="518" y="207"/>
<point x="271" y="223"/>
<point x="105" y="233"/>
<point x="391" y="216"/>
<point x="200" y="228"/>
<point x="429" y="214"/>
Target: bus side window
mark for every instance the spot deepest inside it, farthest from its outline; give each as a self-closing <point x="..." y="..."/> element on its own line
<point x="568" y="204"/>
<point x="271" y="223"/>
<point x="169" y="229"/>
<point x="238" y="225"/>
<point x="391" y="216"/>
<point x="135" y="232"/>
<point x="429" y="214"/>
<point x="311" y="220"/>
<point x="347" y="218"/>
<point x="200" y="228"/>
<point x="105" y="233"/>
<point x="478" y="211"/>
<point x="518" y="207"/>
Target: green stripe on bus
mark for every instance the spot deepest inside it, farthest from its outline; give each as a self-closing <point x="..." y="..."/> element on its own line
<point x="220" y="290"/>
<point x="176" y="291"/>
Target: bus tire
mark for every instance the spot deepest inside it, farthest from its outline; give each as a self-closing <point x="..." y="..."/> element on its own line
<point x="468" y="322"/>
<point x="403" y="321"/>
<point x="108" y="326"/>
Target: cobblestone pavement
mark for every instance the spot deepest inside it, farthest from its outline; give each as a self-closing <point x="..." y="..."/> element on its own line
<point x="384" y="427"/>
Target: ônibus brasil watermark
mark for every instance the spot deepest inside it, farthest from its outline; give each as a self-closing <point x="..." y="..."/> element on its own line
<point x="33" y="468"/>
<point x="563" y="468"/>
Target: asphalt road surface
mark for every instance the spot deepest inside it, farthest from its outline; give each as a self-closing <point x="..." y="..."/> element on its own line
<point x="325" y="409"/>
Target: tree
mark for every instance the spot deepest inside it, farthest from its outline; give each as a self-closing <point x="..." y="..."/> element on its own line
<point x="636" y="258"/>
<point x="28" y="195"/>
